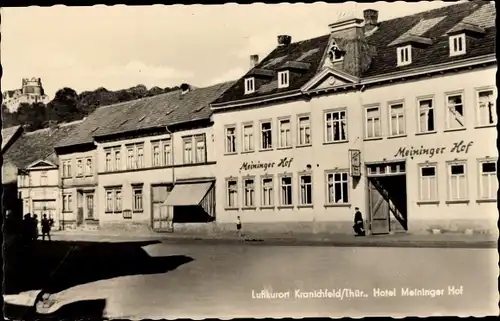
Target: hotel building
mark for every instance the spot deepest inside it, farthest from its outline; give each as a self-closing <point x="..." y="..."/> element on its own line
<point x="153" y="163"/>
<point x="395" y="117"/>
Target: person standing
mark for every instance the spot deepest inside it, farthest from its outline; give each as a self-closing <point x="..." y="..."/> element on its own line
<point x="46" y="225"/>
<point x="238" y="226"/>
<point x="359" y="226"/>
<point x="34" y="227"/>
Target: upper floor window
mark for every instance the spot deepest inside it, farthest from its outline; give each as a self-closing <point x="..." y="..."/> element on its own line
<point x="44" y="179"/>
<point x="304" y="130"/>
<point x="266" y="135"/>
<point x="335" y="54"/>
<point x="488" y="182"/>
<point x="156" y="154"/>
<point x="457" y="45"/>
<point x="285" y="133"/>
<point x="426" y="121"/>
<point x="372" y="122"/>
<point x="130" y="157"/>
<point x="108" y="161"/>
<point x="335" y="126"/>
<point x="283" y="79"/>
<point x="230" y="139"/>
<point x="167" y="152"/>
<point x="188" y="150"/>
<point x="200" y="148"/>
<point x="249" y="85"/>
<point x="486" y="107"/>
<point x="248" y="138"/>
<point x="79" y="167"/>
<point x="135" y="156"/>
<point x="404" y="55"/>
<point x="66" y="168"/>
<point x="396" y="119"/>
<point x="455" y="111"/>
<point x="88" y="166"/>
<point x="117" y="164"/>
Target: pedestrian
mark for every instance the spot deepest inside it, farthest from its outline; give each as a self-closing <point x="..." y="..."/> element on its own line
<point x="26" y="230"/>
<point x="238" y="226"/>
<point x="34" y="227"/>
<point x="359" y="226"/>
<point x="46" y="225"/>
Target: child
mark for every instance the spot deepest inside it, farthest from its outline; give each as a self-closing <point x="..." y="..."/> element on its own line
<point x="238" y="226"/>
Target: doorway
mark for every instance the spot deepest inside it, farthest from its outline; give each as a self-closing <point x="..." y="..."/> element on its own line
<point x="88" y="208"/>
<point x="161" y="214"/>
<point x="387" y="200"/>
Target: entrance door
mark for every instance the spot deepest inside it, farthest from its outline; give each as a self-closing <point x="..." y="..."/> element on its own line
<point x="379" y="211"/>
<point x="89" y="207"/>
<point x="162" y="217"/>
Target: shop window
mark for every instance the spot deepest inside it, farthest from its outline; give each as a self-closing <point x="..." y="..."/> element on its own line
<point x="457" y="181"/>
<point x="337" y="188"/>
<point x="488" y="182"/>
<point x="267" y="191"/>
<point x="306" y="196"/>
<point x="266" y="135"/>
<point x="248" y="138"/>
<point x="397" y="119"/>
<point x="428" y="183"/>
<point x="285" y="139"/>
<point x="455" y="111"/>
<point x="335" y="126"/>
<point x="286" y="191"/>
<point x="232" y="193"/>
<point x="230" y="140"/>
<point x="372" y="122"/>
<point x="426" y="119"/>
<point x="486" y="107"/>
<point x="249" y="190"/>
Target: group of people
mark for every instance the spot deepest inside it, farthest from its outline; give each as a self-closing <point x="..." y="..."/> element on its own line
<point x="30" y="227"/>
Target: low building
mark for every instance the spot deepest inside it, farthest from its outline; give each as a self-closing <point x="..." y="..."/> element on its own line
<point x="10" y="200"/>
<point x="154" y="161"/>
<point x="395" y="117"/>
<point x="31" y="92"/>
<point x="33" y="159"/>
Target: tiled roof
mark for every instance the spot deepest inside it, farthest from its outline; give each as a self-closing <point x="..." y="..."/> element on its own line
<point x="428" y="28"/>
<point x="36" y="145"/>
<point x="152" y="112"/>
<point x="8" y="134"/>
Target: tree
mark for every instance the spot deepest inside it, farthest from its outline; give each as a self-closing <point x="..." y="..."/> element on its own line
<point x="32" y="116"/>
<point x="63" y="108"/>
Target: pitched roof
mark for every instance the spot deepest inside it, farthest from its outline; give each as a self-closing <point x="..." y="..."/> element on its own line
<point x="430" y="25"/>
<point x="8" y="134"/>
<point x="151" y="112"/>
<point x="36" y="145"/>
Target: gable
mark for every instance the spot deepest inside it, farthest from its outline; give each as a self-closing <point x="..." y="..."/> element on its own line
<point x="41" y="164"/>
<point x="330" y="81"/>
<point x="329" y="78"/>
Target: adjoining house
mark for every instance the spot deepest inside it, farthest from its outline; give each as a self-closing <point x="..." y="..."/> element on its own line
<point x="33" y="161"/>
<point x="10" y="201"/>
<point x="154" y="163"/>
<point x="395" y="117"/>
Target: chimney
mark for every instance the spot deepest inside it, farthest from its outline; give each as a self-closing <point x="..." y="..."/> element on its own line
<point x="185" y="88"/>
<point x="371" y="19"/>
<point x="284" y="40"/>
<point x="254" y="61"/>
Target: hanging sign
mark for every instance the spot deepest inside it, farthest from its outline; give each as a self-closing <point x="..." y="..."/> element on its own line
<point x="355" y="162"/>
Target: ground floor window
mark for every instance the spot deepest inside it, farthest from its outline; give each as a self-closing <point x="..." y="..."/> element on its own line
<point x="305" y="189"/>
<point x="428" y="183"/>
<point x="137" y="199"/>
<point x="67" y="203"/>
<point x="488" y="182"/>
<point x="286" y="190"/>
<point x="232" y="193"/>
<point x="337" y="188"/>
<point x="113" y="200"/>
<point x="267" y="191"/>
<point x="457" y="181"/>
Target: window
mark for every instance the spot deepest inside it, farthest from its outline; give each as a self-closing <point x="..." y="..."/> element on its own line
<point x="372" y="122"/>
<point x="305" y="189"/>
<point x="337" y="188"/>
<point x="231" y="140"/>
<point x="457" y="45"/>
<point x="457" y="181"/>
<point x="455" y="111"/>
<point x="66" y="166"/>
<point x="188" y="150"/>
<point x="232" y="193"/>
<point x="335" y="54"/>
<point x="140" y="156"/>
<point x="285" y="139"/>
<point x="200" y="148"/>
<point x="404" y="55"/>
<point x="486" y="107"/>
<point x="286" y="190"/>
<point x="428" y="183"/>
<point x="114" y="200"/>
<point x="88" y="167"/>
<point x="79" y="167"/>
<point x="304" y="130"/>
<point x="488" y="183"/>
<point x="167" y="152"/>
<point x="249" y="196"/>
<point x="397" y="119"/>
<point x="426" y="115"/>
<point x="249" y="85"/>
<point x="44" y="179"/>
<point x="130" y="157"/>
<point x="267" y="191"/>
<point x="156" y="155"/>
<point x="266" y="135"/>
<point x="137" y="200"/>
<point x="335" y="126"/>
<point x="248" y="138"/>
<point x="67" y="202"/>
<point x="283" y="79"/>
<point x="117" y="162"/>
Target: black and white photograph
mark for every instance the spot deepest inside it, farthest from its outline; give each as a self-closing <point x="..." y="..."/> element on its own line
<point x="170" y="161"/>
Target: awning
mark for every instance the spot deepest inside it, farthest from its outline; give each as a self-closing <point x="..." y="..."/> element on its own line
<point x="188" y="194"/>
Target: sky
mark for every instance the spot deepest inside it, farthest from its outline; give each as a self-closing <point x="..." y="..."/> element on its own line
<point x="118" y="47"/>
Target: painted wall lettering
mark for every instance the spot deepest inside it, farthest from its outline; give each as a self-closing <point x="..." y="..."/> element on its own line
<point x="283" y="163"/>
<point x="458" y="147"/>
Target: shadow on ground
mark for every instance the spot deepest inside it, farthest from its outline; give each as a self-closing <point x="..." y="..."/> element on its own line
<point x="80" y="310"/>
<point x="59" y="265"/>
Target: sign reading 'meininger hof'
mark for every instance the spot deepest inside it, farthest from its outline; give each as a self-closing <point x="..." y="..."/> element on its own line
<point x="458" y="148"/>
<point x="283" y="163"/>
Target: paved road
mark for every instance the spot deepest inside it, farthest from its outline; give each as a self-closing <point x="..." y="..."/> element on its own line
<point x="220" y="280"/>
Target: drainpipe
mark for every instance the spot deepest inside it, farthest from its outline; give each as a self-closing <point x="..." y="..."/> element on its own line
<point x="173" y="156"/>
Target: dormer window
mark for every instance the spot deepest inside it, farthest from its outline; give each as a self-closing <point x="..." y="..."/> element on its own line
<point x="457" y="45"/>
<point x="283" y="79"/>
<point x="249" y="85"/>
<point x="404" y="55"/>
<point x="335" y="54"/>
